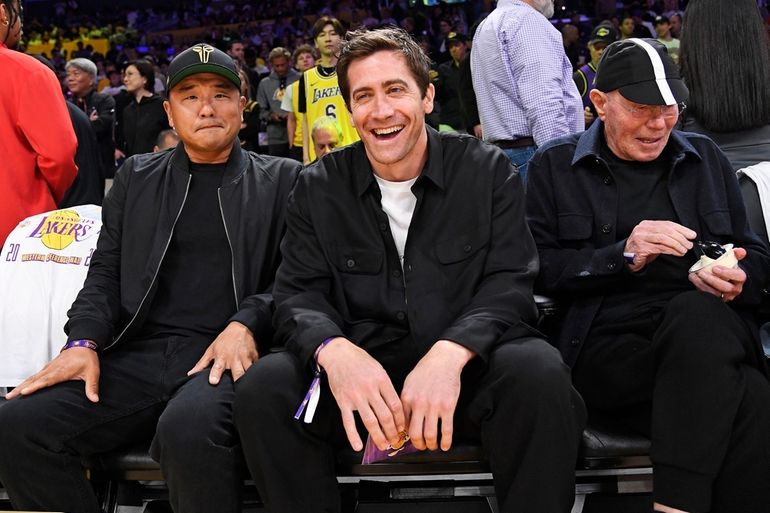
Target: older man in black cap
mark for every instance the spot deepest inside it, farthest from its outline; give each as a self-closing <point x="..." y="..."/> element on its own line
<point x="181" y="281"/>
<point x="629" y="218"/>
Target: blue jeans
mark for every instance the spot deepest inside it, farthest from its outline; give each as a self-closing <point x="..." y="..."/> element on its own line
<point x="519" y="157"/>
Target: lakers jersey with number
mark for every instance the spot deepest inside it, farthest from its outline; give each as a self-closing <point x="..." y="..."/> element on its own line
<point x="323" y="98"/>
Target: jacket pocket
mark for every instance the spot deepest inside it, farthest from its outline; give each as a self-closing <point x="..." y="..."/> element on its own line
<point x="462" y="246"/>
<point x="575" y="226"/>
<point x="718" y="222"/>
<point x="357" y="261"/>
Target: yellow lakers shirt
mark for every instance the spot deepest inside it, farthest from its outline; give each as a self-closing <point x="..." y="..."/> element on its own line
<point x="323" y="98"/>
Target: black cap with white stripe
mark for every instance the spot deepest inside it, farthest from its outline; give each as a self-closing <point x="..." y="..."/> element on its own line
<point x="642" y="71"/>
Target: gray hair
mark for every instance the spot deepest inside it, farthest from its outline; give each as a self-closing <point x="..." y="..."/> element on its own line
<point x="82" y="64"/>
<point x="327" y="123"/>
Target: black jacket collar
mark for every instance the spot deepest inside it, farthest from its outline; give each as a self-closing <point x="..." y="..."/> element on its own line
<point x="363" y="174"/>
<point x="234" y="167"/>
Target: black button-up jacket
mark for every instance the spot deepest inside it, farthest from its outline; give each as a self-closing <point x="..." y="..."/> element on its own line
<point x="572" y="209"/>
<point x="469" y="264"/>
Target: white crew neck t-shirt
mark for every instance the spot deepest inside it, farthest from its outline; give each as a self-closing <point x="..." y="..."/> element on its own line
<point x="398" y="203"/>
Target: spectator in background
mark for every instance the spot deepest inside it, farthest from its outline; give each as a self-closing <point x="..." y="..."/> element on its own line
<point x="627" y="27"/>
<point x="237" y="50"/>
<point x="166" y="139"/>
<point x="143" y="118"/>
<point x="326" y="134"/>
<point x="270" y="94"/>
<point x="448" y="84"/>
<point x="676" y="25"/>
<point x="440" y="52"/>
<point x="725" y="61"/>
<point x="571" y="39"/>
<point x="523" y="80"/>
<point x="87" y="189"/>
<point x="114" y="83"/>
<point x="601" y="37"/>
<point x="468" y="106"/>
<point x="663" y="30"/>
<point x="100" y="109"/>
<point x="251" y="123"/>
<point x="37" y="142"/>
<point x="304" y="57"/>
<point x="320" y="89"/>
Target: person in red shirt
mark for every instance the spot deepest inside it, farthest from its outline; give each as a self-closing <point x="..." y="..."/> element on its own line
<point x="37" y="141"/>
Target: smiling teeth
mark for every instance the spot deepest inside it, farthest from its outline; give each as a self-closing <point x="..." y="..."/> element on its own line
<point x="386" y="131"/>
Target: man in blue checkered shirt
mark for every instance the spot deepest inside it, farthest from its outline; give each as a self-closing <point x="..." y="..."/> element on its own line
<point x="523" y="80"/>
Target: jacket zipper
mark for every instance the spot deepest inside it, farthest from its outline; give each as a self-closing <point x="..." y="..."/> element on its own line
<point x="157" y="270"/>
<point x="229" y="243"/>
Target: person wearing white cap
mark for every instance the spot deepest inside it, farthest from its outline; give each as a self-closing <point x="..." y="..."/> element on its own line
<point x="628" y="218"/>
<point x="177" y="304"/>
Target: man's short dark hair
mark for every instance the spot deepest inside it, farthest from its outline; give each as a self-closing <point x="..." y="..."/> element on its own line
<point x="231" y="43"/>
<point x="362" y="43"/>
<point x="319" y="25"/>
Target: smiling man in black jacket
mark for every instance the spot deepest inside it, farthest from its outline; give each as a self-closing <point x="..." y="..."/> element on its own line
<point x="181" y="281"/>
<point x="407" y="276"/>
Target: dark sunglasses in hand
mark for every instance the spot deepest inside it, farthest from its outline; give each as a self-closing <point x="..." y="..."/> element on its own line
<point x="708" y="248"/>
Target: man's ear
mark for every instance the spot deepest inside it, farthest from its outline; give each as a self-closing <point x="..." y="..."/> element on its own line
<point x="427" y="101"/>
<point x="167" y="108"/>
<point x="599" y="99"/>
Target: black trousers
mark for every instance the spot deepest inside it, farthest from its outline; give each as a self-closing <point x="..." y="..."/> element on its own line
<point x="143" y="385"/>
<point x="689" y="377"/>
<point x="521" y="406"/>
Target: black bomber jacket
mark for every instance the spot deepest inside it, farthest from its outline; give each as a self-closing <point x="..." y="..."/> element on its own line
<point x="138" y="216"/>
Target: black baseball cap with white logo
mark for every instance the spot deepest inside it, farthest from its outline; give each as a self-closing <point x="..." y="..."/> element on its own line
<point x="642" y="71"/>
<point x="202" y="58"/>
<point x="604" y="34"/>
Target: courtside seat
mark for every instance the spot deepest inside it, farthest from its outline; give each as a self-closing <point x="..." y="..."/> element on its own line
<point x="603" y="447"/>
<point x="610" y="461"/>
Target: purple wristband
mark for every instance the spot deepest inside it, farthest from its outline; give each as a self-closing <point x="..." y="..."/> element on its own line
<point x="318" y="351"/>
<point x="83" y="342"/>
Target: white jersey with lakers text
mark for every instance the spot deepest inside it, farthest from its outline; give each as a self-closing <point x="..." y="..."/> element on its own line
<point x="43" y="264"/>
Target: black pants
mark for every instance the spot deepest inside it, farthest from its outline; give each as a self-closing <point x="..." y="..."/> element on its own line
<point x="521" y="406"/>
<point x="143" y="385"/>
<point x="689" y="377"/>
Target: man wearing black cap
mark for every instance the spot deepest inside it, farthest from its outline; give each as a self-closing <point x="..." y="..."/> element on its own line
<point x="626" y="217"/>
<point x="601" y="36"/>
<point x="181" y="281"/>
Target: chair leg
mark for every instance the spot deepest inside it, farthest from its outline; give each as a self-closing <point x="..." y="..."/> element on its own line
<point x="492" y="503"/>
